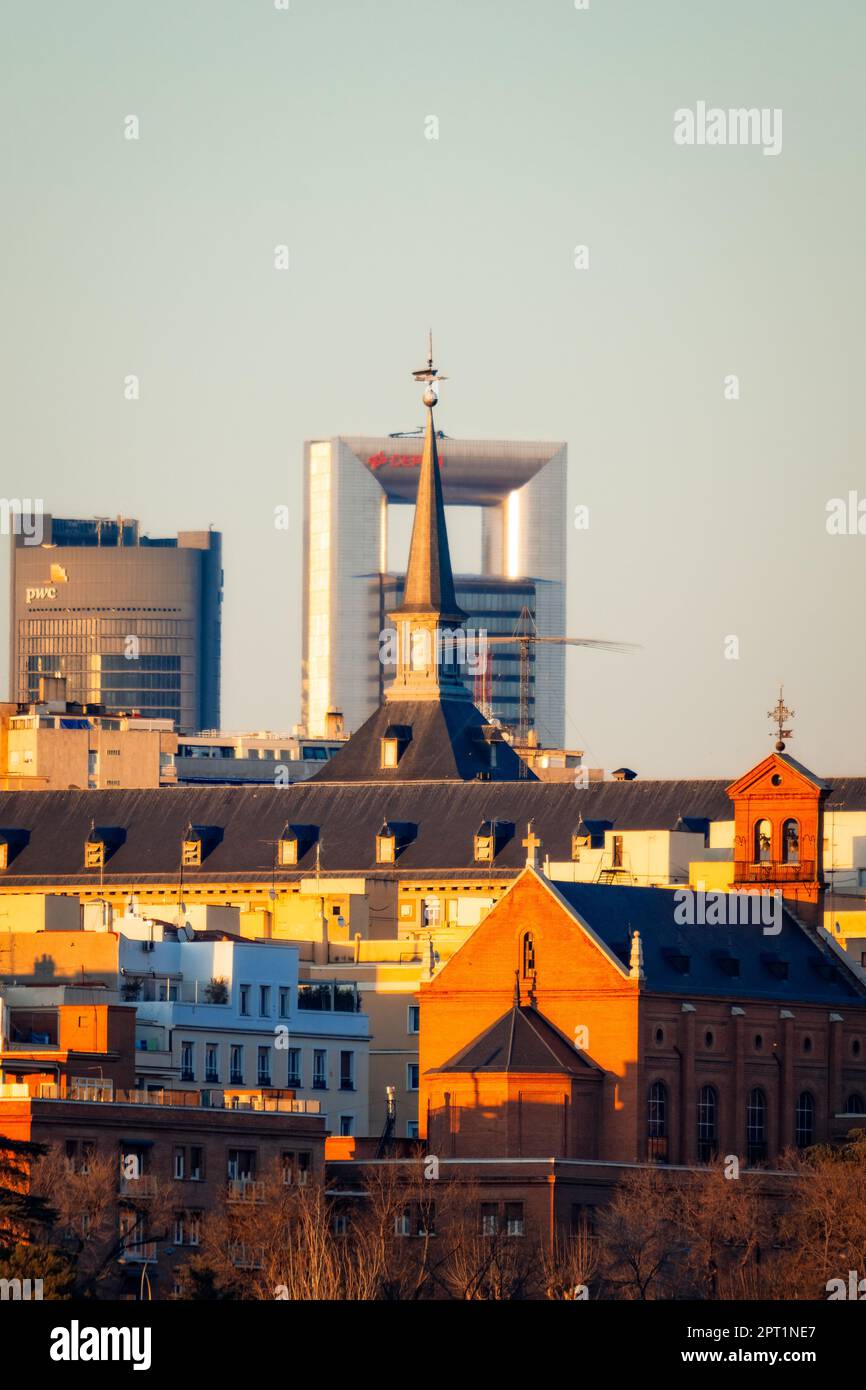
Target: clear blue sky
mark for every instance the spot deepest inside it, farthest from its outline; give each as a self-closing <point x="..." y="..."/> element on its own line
<point x="307" y="127"/>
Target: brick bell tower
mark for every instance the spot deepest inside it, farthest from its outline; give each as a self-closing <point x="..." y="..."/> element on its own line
<point x="779" y="827"/>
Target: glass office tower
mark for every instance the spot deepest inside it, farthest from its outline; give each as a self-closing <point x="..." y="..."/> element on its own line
<point x="130" y="621"/>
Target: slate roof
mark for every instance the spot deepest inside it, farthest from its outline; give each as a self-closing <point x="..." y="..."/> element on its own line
<point x="694" y="960"/>
<point x="442" y="747"/>
<point x="50" y="828"/>
<point x="520" y="1041"/>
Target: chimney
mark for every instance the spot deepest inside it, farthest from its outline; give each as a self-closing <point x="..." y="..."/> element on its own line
<point x="333" y="723"/>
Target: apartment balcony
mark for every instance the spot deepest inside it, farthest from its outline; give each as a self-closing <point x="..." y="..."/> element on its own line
<point x="90" y="1091"/>
<point x="143" y="1187"/>
<point x="246" y="1190"/>
<point x="774" y="871"/>
<point x="332" y="996"/>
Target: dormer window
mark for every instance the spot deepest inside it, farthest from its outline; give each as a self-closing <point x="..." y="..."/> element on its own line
<point x="287" y="849"/>
<point x="190" y="856"/>
<point x="94" y="853"/>
<point x="293" y="844"/>
<point x="386" y="844"/>
<point x="485" y="843"/>
<point x="394" y="742"/>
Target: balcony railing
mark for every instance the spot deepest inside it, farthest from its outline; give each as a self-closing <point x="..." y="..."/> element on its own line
<point x="246" y="1190"/>
<point x="774" y="871"/>
<point x="216" y="1099"/>
<point x="329" y="997"/>
<point x="143" y="1186"/>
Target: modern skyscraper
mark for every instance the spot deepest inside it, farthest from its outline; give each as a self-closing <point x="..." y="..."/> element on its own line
<point x="131" y="622"/>
<point x="350" y="483"/>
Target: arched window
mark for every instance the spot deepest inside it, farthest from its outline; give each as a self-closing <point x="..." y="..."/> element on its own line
<point x="791" y="842"/>
<point x="657" y="1123"/>
<point x="528" y="955"/>
<point x="756" y="1127"/>
<point x="854" y="1105"/>
<point x="708" y="1143"/>
<point x="804" y="1121"/>
<point x="763" y="842"/>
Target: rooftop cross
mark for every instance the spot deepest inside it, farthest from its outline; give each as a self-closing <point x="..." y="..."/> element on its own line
<point x="779" y="715"/>
<point x="531" y="844"/>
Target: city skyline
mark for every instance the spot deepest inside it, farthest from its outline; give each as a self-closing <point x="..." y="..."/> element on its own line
<point x="708" y="517"/>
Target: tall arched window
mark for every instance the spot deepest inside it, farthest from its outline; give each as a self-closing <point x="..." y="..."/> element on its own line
<point x="763" y="842"/>
<point x="708" y="1142"/>
<point x="756" y="1127"/>
<point x="854" y="1105"/>
<point x="791" y="842"/>
<point x="657" y="1123"/>
<point x="528" y="955"/>
<point x="804" y="1121"/>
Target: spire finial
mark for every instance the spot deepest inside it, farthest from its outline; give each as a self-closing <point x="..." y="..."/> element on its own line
<point x="430" y="376"/>
<point x="779" y="715"/>
<point x="636" y="971"/>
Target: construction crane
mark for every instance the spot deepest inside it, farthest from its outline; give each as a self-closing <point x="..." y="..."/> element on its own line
<point x="525" y="636"/>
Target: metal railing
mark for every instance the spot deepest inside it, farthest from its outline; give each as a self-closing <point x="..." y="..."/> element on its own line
<point x="773" y="871"/>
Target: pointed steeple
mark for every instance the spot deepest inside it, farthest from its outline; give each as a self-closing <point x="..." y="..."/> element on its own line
<point x="429" y="586"/>
<point x="428" y="619"/>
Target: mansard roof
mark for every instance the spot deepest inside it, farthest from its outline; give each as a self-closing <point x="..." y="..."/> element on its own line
<point x="48" y="829"/>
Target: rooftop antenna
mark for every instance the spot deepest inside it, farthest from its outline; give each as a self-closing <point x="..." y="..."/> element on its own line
<point x="779" y="715"/>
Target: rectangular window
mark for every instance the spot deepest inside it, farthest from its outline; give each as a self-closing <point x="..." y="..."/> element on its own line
<point x="211" y="1063"/>
<point x="489" y="1218"/>
<point x="412" y="1129"/>
<point x="412" y="1076"/>
<point x="285" y="1002"/>
<point x="414" y="1025"/>
<point x="264" y="1001"/>
<point x="320" y="1069"/>
<point x="304" y="1162"/>
<point x="196" y="1163"/>
<point x="514" y="1218"/>
<point x="294" y="1076"/>
<point x="241" y="1165"/>
<point x="245" y="1001"/>
<point x="347" y="1124"/>
<point x="187" y="1061"/>
<point x="347" y="1071"/>
<point x="237" y="1064"/>
<point x="180" y="1164"/>
<point x="263" y="1066"/>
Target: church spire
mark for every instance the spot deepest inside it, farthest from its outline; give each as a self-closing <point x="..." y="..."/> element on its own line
<point x="429" y="586"/>
<point x="428" y="621"/>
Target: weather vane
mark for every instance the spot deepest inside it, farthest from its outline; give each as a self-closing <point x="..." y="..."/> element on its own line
<point x="430" y="375"/>
<point x="779" y="715"/>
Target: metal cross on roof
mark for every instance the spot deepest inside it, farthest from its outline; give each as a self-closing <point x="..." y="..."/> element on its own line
<point x="779" y="715"/>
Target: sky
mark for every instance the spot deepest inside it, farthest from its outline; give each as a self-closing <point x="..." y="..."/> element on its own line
<point x="308" y="127"/>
